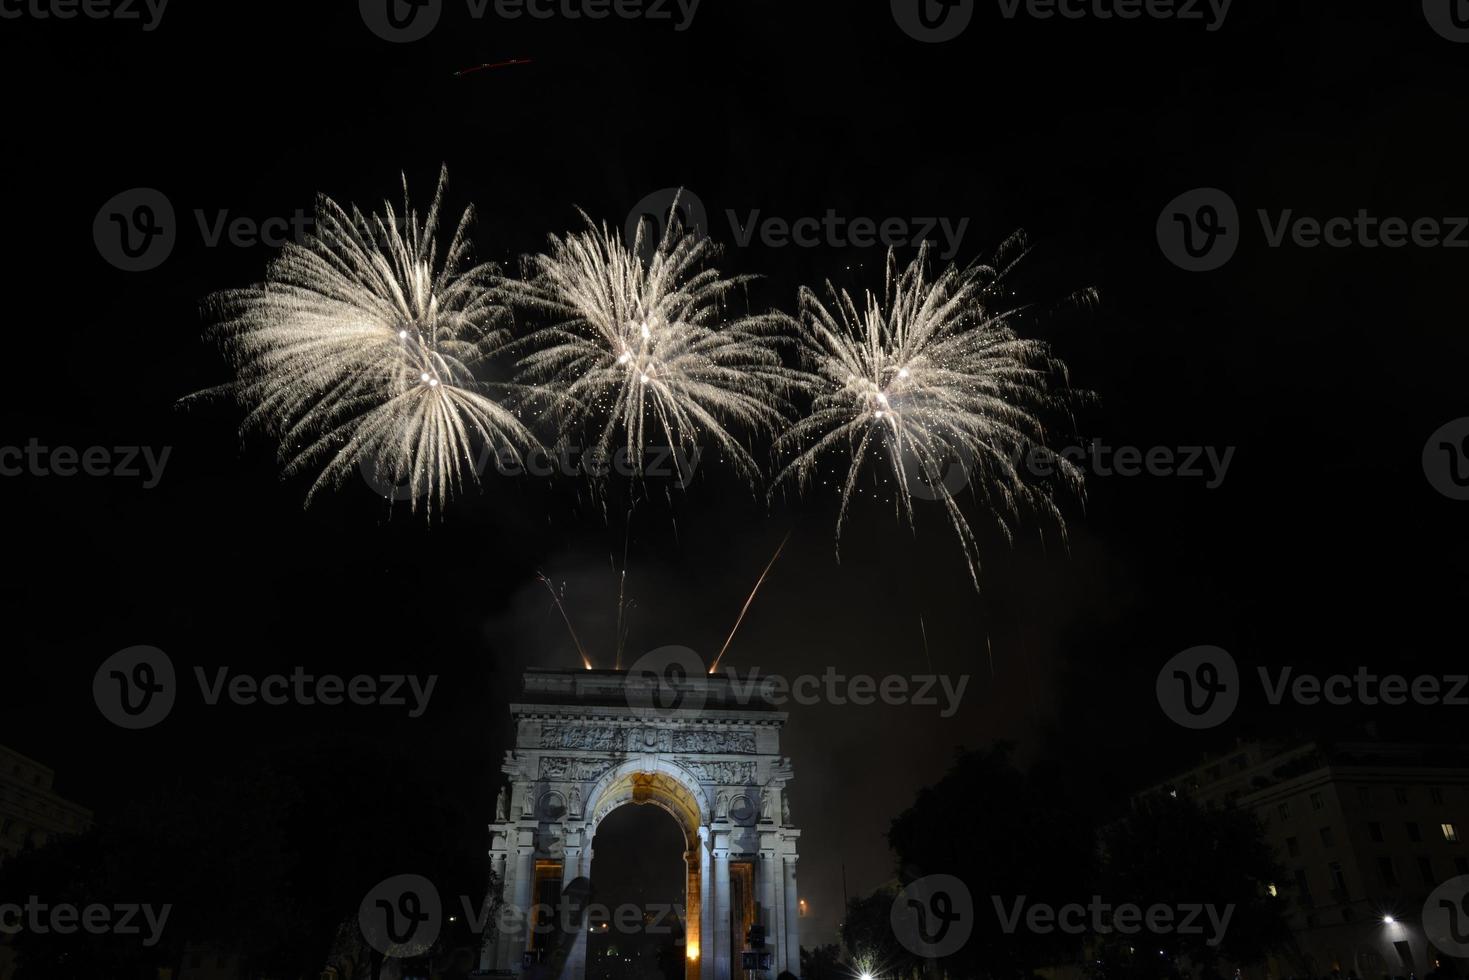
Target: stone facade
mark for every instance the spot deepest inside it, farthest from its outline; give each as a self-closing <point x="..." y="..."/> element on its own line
<point x="589" y="742"/>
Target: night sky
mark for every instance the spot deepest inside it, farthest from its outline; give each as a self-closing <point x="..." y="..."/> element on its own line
<point x="1325" y="369"/>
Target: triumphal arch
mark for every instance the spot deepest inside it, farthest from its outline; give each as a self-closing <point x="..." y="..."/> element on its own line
<point x="702" y="748"/>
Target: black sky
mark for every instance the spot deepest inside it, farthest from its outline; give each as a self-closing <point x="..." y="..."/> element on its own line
<point x="1326" y="369"/>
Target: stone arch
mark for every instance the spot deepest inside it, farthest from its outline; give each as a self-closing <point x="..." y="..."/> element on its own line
<point x="655" y="781"/>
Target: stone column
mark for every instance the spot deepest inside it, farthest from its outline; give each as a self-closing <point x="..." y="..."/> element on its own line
<point x="722" y="945"/>
<point x="494" y="901"/>
<point x="575" y="863"/>
<point x="706" y="906"/>
<point x="793" y="918"/>
<point x="516" y="939"/>
<point x="767" y="871"/>
<point x="692" y="917"/>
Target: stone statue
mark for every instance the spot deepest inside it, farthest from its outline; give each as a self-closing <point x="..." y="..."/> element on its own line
<point x="528" y="805"/>
<point x="574" y="801"/>
<point x="765" y="807"/>
<point x="721" y="805"/>
<point x="785" y="810"/>
<point x="502" y="804"/>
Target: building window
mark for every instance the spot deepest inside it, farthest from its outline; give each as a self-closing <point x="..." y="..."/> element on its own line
<point x="1425" y="871"/>
<point x="1292" y="847"/>
<point x="1316" y="803"/>
<point x="1327" y="837"/>
<point x="1401" y="794"/>
<point x="1303" y="888"/>
<point x="1284" y="811"/>
<point x="1338" y="879"/>
<point x="1435" y="794"/>
<point x="1374" y="829"/>
<point x="1449" y="833"/>
<point x="1385" y="868"/>
<point x="1272" y="890"/>
<point x="1413" y="834"/>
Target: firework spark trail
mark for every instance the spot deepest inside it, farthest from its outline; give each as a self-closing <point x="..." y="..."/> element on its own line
<point x="750" y="599"/>
<point x="586" y="661"/>
<point x="642" y="348"/>
<point x="357" y="351"/>
<point x="933" y="378"/>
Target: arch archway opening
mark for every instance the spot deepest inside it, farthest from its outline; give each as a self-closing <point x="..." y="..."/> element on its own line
<point x="640" y="882"/>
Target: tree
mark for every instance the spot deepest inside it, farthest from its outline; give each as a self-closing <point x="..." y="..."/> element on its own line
<point x="1171" y="851"/>
<point x="823" y="963"/>
<point x="1005" y="833"/>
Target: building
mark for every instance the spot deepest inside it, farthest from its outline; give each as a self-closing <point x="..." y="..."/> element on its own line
<point x="30" y="811"/>
<point x="1365" y="830"/>
<point x="30" y="814"/>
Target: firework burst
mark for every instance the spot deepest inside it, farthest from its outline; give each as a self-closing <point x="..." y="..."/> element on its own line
<point x="932" y="384"/>
<point x="641" y="349"/>
<point x="357" y="352"/>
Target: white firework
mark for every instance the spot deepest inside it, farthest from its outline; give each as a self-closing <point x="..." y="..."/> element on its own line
<point x="641" y="351"/>
<point x="933" y="385"/>
<point x="357" y="352"/>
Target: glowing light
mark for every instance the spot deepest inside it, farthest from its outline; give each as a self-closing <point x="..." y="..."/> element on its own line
<point x="968" y="411"/>
<point x="319" y="363"/>
<point x="1388" y="920"/>
<point x="693" y="951"/>
<point x="603" y="299"/>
